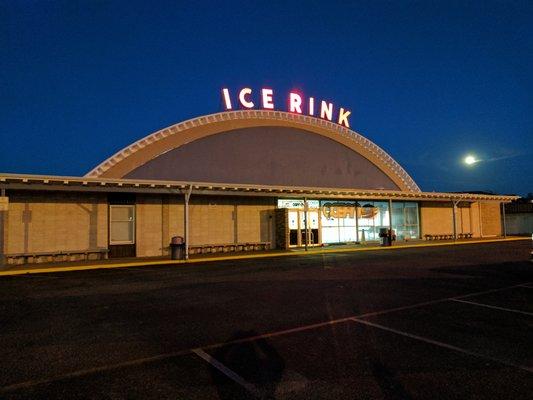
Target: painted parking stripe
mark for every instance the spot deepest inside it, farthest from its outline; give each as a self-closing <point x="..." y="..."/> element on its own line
<point x="465" y="296"/>
<point x="340" y="320"/>
<point x="228" y="372"/>
<point x="444" y="345"/>
<point x="431" y="302"/>
<point x="164" y="356"/>
<point x="493" y="307"/>
<point x="95" y="370"/>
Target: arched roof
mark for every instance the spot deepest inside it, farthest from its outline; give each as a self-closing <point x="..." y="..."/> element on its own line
<point x="154" y="145"/>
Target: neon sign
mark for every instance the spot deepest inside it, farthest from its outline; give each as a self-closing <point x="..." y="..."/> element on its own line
<point x="296" y="103"/>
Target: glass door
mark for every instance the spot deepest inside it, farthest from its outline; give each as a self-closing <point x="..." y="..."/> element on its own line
<point x="313" y="238"/>
<point x="121" y="230"/>
<point x="293" y="228"/>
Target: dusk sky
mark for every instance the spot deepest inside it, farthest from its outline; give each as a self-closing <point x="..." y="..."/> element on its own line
<point x="428" y="81"/>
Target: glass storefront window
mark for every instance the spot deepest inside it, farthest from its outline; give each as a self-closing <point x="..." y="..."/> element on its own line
<point x="338" y="221"/>
<point x="373" y="215"/>
<point x="405" y="220"/>
<point x="344" y="221"/>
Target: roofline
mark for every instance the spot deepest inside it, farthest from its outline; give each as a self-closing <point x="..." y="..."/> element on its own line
<point x="86" y="184"/>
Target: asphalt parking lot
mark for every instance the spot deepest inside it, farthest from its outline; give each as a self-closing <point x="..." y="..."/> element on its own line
<point x="435" y="322"/>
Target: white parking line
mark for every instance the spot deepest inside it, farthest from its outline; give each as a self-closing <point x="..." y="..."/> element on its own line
<point x="489" y="291"/>
<point x="160" y="357"/>
<point x="494" y="307"/>
<point x="228" y="372"/>
<point x="441" y="344"/>
<point x="431" y="302"/>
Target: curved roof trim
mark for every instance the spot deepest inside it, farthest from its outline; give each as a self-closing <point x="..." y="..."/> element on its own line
<point x="352" y="139"/>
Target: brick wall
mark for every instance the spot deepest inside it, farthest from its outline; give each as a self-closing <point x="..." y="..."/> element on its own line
<point x="48" y="221"/>
<point x="437" y="218"/>
<point x="149" y="225"/>
<point x="55" y="221"/>
<point x="476" y="219"/>
<point x="3" y="217"/>
<point x="255" y="221"/>
<point x="220" y="220"/>
<point x="491" y="219"/>
<point x="282" y="228"/>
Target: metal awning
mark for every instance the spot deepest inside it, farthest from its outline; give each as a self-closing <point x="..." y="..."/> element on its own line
<point x="84" y="184"/>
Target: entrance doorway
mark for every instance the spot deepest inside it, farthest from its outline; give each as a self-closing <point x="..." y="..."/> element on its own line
<point x="122" y="228"/>
<point x="297" y="228"/>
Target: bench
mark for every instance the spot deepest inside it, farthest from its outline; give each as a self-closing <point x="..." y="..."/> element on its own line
<point x="56" y="256"/>
<point x="228" y="247"/>
<point x="447" y="236"/>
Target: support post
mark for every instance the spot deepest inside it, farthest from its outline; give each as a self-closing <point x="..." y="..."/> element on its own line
<point x="480" y="220"/>
<point x="390" y="218"/>
<point x="186" y="220"/>
<point x="356" y="223"/>
<point x="454" y="203"/>
<point x="305" y="222"/>
<point x="3" y="216"/>
<point x="471" y="228"/>
<point x="504" y="223"/>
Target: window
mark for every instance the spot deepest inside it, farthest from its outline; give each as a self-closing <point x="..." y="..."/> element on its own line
<point x="372" y="215"/>
<point x="121" y="224"/>
<point x="338" y="221"/>
<point x="405" y="220"/>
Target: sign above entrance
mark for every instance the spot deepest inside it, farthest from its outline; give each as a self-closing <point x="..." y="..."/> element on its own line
<point x="295" y="103"/>
<point x="296" y="203"/>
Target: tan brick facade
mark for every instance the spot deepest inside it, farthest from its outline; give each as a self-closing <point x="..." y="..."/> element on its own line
<point x="482" y="219"/>
<point x="149" y="226"/>
<point x="41" y="222"/>
<point x="491" y="219"/>
<point x="222" y="220"/>
<point x="437" y="218"/>
<point x="213" y="220"/>
<point x="282" y="228"/>
<point x="70" y="221"/>
<point x="3" y="218"/>
<point x="475" y="217"/>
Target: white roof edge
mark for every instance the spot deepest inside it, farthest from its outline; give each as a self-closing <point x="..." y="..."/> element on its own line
<point x="50" y="180"/>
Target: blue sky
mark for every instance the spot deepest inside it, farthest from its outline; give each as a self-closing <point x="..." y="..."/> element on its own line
<point x="428" y="81"/>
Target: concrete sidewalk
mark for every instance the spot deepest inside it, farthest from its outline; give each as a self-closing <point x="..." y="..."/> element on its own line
<point x="7" y="270"/>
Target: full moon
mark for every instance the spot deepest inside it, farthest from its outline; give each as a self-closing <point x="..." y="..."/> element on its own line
<point x="469" y="160"/>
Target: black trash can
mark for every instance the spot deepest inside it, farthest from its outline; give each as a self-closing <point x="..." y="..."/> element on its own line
<point x="386" y="236"/>
<point x="177" y="248"/>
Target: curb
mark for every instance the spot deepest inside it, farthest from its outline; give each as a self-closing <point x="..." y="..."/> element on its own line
<point x="243" y="257"/>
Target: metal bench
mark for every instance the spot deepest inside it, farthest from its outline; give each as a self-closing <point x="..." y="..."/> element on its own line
<point x="447" y="236"/>
<point x="228" y="247"/>
<point x="56" y="256"/>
